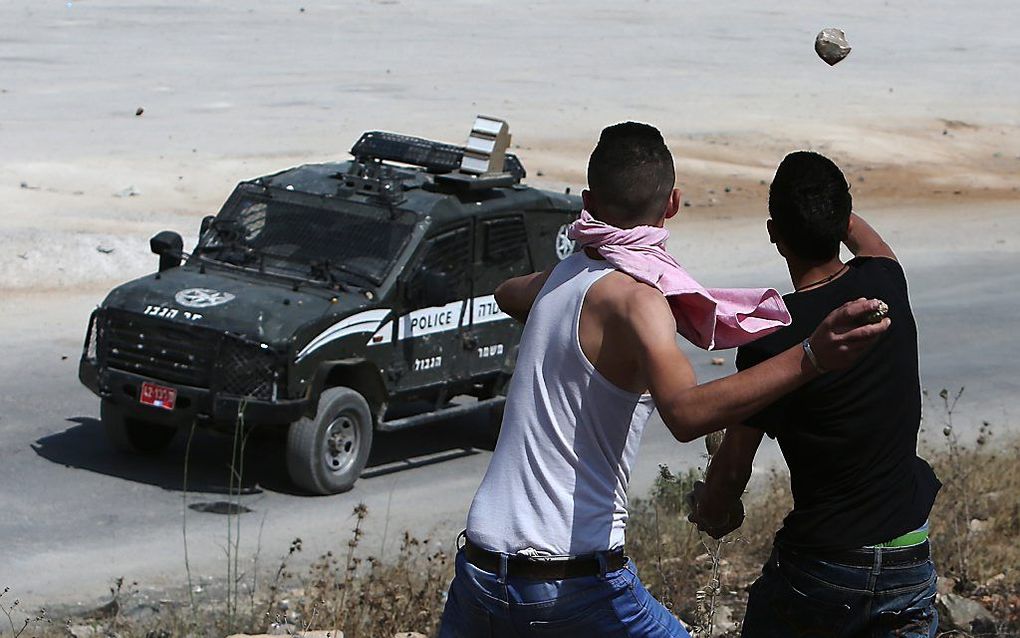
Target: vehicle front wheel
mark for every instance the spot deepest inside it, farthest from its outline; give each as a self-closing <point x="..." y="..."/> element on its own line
<point x="326" y="453"/>
<point x="130" y="434"/>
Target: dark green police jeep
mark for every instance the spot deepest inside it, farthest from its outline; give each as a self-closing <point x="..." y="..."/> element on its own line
<point x="333" y="300"/>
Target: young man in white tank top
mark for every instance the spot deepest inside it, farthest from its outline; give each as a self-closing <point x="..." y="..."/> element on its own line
<point x="543" y="553"/>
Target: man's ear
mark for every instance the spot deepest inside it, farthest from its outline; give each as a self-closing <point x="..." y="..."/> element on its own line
<point x="673" y="204"/>
<point x="588" y="201"/>
<point x="774" y="237"/>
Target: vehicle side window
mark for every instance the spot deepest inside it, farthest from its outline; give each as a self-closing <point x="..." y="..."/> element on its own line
<point x="503" y="252"/>
<point x="505" y="241"/>
<point x="450" y="255"/>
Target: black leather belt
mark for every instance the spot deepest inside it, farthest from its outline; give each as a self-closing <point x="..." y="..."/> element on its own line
<point x="539" y="568"/>
<point x="865" y="556"/>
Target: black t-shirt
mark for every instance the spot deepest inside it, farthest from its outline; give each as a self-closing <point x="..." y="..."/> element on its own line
<point x="850" y="437"/>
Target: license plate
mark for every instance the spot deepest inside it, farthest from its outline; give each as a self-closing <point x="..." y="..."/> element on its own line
<point x="158" y="396"/>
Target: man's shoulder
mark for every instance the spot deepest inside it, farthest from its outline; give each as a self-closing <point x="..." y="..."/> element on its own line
<point x="623" y="291"/>
<point x="625" y="301"/>
<point x="640" y="300"/>
<point x="877" y="263"/>
<point x="875" y="260"/>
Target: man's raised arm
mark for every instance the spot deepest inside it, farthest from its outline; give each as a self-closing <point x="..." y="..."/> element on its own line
<point x="690" y="410"/>
<point x="864" y="241"/>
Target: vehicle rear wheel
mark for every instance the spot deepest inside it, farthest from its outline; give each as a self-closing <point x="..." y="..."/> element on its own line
<point x="326" y="453"/>
<point x="130" y="434"/>
<point x="490" y="429"/>
<point x="492" y="421"/>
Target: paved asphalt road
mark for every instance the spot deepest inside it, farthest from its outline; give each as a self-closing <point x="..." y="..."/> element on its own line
<point x="75" y="515"/>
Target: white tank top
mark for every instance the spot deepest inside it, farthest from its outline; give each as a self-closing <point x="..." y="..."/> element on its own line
<point x="557" y="481"/>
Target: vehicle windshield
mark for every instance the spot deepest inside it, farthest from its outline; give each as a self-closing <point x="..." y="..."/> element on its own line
<point x="351" y="244"/>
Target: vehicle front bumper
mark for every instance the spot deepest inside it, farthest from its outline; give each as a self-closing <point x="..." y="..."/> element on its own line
<point x="124" y="388"/>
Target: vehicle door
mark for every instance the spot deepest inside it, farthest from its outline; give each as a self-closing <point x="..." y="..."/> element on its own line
<point x="547" y="232"/>
<point x="429" y="333"/>
<point x="501" y="252"/>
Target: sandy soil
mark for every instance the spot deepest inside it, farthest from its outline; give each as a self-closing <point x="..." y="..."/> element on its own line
<point x="85" y="234"/>
<point x="941" y="162"/>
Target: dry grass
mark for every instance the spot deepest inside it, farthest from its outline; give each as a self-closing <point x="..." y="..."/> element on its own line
<point x="690" y="572"/>
<point x="371" y="598"/>
<point x="976" y="520"/>
<point x="978" y="516"/>
<point x="975" y="530"/>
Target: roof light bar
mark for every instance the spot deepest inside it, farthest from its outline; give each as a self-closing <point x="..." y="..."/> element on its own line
<point x="435" y="157"/>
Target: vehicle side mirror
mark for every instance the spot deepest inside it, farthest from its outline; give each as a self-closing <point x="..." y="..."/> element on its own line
<point x="206" y="224"/>
<point x="431" y="288"/>
<point x="170" y="248"/>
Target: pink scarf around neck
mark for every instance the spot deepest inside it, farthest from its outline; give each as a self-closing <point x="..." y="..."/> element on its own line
<point x="710" y="318"/>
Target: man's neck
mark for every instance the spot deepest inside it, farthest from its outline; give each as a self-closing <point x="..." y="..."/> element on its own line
<point x="806" y="274"/>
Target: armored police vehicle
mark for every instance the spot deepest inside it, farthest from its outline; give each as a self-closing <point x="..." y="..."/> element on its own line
<point x="334" y="300"/>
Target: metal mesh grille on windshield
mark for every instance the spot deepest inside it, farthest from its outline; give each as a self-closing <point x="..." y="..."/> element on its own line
<point x="294" y="238"/>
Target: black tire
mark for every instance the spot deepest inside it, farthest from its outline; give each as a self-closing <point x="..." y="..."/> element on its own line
<point x="489" y="434"/>
<point x="133" y="435"/>
<point x="325" y="454"/>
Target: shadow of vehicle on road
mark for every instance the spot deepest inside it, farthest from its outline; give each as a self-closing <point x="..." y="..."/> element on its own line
<point x="84" y="446"/>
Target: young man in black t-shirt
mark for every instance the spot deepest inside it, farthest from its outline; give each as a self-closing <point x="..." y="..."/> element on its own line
<point x="852" y="558"/>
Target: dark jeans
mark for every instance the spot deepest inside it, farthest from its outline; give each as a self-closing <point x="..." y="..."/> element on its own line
<point x="801" y="596"/>
<point x="484" y="605"/>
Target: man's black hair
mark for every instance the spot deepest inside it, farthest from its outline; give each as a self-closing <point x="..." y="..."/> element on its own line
<point x="630" y="173"/>
<point x="810" y="204"/>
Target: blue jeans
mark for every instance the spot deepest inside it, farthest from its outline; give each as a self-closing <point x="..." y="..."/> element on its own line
<point x="800" y="596"/>
<point x="483" y="605"/>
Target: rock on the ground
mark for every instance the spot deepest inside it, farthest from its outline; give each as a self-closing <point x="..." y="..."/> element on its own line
<point x="957" y="612"/>
<point x="130" y="191"/>
<point x="409" y="634"/>
<point x="946" y="585"/>
<point x="108" y="610"/>
<point x="84" y="631"/>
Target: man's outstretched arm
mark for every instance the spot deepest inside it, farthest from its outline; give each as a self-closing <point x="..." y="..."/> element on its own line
<point x="716" y="502"/>
<point x="691" y="411"/>
<point x="516" y="296"/>
<point x="864" y="241"/>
